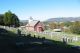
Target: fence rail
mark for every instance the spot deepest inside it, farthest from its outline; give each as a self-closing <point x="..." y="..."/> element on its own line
<point x="9" y="28"/>
<point x="58" y="36"/>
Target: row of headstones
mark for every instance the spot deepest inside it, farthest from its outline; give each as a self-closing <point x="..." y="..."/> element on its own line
<point x="70" y="40"/>
<point x="64" y="39"/>
<point x="67" y="39"/>
<point x="29" y="35"/>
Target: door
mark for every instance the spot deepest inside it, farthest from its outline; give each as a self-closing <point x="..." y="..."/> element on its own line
<point x="40" y="29"/>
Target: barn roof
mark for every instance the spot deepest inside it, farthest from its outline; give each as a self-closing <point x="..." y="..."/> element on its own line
<point x="32" y="23"/>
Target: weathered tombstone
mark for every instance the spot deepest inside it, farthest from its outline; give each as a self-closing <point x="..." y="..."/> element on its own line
<point x="78" y="38"/>
<point x="4" y="27"/>
<point x="75" y="38"/>
<point x="34" y="36"/>
<point x="65" y="40"/>
<point x="38" y="37"/>
<point x="29" y="35"/>
<point x="19" y="32"/>
<point x="69" y="40"/>
<point x="43" y="38"/>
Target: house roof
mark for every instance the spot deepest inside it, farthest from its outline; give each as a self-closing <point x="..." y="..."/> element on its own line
<point x="32" y="23"/>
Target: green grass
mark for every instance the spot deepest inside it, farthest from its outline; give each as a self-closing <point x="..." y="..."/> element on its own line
<point x="58" y="37"/>
<point x="75" y="43"/>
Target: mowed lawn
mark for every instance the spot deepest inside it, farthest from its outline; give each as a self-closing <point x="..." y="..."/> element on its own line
<point x="57" y="36"/>
<point x="29" y="44"/>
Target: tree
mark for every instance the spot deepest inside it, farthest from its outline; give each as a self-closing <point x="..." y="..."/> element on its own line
<point x="61" y="25"/>
<point x="67" y="24"/>
<point x="7" y="18"/>
<point x="46" y="25"/>
<point x="53" y="25"/>
<point x="15" y="20"/>
<point x="11" y="19"/>
<point x="1" y="19"/>
<point x="75" y="27"/>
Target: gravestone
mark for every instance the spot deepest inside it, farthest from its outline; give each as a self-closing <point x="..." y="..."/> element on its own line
<point x="75" y="38"/>
<point x="34" y="36"/>
<point x="19" y="32"/>
<point x="64" y="40"/>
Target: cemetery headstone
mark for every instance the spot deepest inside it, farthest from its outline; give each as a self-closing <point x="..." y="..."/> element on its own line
<point x="34" y="36"/>
<point x="65" y="40"/>
<point x="19" y="32"/>
<point x="75" y="38"/>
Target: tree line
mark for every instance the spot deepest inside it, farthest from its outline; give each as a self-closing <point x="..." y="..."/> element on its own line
<point x="9" y="19"/>
<point x="71" y="27"/>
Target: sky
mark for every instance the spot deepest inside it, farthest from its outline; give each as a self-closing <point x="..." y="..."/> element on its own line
<point x="41" y="9"/>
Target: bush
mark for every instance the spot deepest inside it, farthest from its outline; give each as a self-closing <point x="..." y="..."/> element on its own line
<point x="75" y="27"/>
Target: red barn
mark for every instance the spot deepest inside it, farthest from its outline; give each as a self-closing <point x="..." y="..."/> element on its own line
<point x="35" y="26"/>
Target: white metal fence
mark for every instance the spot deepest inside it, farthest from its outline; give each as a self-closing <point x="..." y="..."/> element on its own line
<point x="9" y="28"/>
<point x="58" y="36"/>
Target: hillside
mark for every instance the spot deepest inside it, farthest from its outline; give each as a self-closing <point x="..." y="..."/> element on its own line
<point x="64" y="19"/>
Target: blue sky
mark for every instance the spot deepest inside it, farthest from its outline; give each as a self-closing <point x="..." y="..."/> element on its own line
<point x="41" y="9"/>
